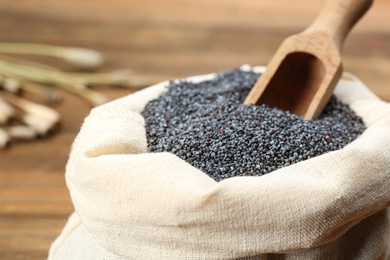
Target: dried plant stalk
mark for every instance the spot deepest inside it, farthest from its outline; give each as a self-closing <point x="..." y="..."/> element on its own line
<point x="80" y="58"/>
<point x="120" y="78"/>
<point x="19" y="74"/>
<point x="50" y="77"/>
<point x="27" y="62"/>
<point x="50" y="95"/>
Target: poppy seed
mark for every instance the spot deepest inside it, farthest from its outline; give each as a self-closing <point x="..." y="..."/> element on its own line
<point x="211" y="129"/>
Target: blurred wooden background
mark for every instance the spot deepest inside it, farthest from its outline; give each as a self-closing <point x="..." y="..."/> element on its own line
<point x="160" y="39"/>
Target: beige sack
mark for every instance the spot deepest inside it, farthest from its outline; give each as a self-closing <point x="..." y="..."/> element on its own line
<point x="131" y="204"/>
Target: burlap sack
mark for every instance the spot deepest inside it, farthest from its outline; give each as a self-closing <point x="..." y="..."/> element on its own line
<point x="131" y="204"/>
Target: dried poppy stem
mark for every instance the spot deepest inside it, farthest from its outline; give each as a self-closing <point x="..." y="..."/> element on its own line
<point x="80" y="58"/>
<point x="50" y="77"/>
<point x="27" y="62"/>
<point x="51" y="96"/>
<point x="103" y="78"/>
<point x="120" y="78"/>
<point x="38" y="74"/>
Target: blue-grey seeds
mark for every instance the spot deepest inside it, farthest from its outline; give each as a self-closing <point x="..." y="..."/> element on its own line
<point x="207" y="125"/>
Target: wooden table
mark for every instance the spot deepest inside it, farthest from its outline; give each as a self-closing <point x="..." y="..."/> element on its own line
<point x="163" y="40"/>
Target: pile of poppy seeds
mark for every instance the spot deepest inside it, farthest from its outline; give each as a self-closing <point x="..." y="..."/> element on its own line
<point x="207" y="125"/>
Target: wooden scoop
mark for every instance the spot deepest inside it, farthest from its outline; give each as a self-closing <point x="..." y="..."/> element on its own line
<point x="305" y="69"/>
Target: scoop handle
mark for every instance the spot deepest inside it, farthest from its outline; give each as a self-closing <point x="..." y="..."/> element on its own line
<point x="338" y="17"/>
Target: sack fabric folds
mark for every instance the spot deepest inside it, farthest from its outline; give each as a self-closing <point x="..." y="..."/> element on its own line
<point x="131" y="204"/>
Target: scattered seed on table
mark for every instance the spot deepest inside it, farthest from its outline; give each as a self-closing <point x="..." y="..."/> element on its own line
<point x="207" y="125"/>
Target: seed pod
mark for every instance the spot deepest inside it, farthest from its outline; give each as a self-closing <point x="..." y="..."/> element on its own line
<point x="6" y="111"/>
<point x="41" y="118"/>
<point x="11" y="85"/>
<point x="21" y="132"/>
<point x="4" y="138"/>
<point x="81" y="58"/>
